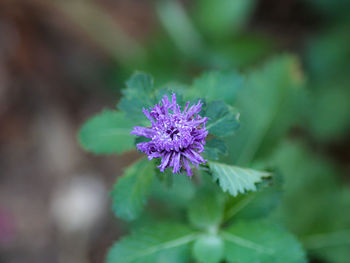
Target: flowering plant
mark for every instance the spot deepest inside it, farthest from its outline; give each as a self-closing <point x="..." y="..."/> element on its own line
<point x="178" y="137"/>
<point x="187" y="171"/>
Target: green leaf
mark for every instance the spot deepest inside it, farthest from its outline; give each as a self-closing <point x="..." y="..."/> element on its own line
<point x="261" y="242"/>
<point x="208" y="249"/>
<point x="331" y="246"/>
<point x="216" y="85"/>
<point x="222" y="17"/>
<point x="310" y="190"/>
<point x="107" y="132"/>
<point x="313" y="194"/>
<point x="327" y="62"/>
<point x="141" y="93"/>
<point x="169" y="89"/>
<point x="235" y="179"/>
<point x="223" y="120"/>
<point x="255" y="205"/>
<point x="329" y="110"/>
<point x="206" y="209"/>
<point x="165" y="242"/>
<point x="215" y="147"/>
<point x="178" y="195"/>
<point x="174" y="19"/>
<point x="131" y="190"/>
<point x="138" y="94"/>
<point x="326" y="57"/>
<point x="242" y="51"/>
<point x="264" y="201"/>
<point x="268" y="105"/>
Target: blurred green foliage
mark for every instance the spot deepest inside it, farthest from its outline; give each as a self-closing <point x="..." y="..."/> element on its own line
<point x="327" y="61"/>
<point x="305" y="97"/>
<point x="315" y="205"/>
<point x="220" y="19"/>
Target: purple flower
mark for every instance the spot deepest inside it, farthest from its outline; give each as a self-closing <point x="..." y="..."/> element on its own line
<point x="176" y="137"/>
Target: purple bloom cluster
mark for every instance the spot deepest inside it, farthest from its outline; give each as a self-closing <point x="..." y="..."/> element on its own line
<point x="176" y="137"/>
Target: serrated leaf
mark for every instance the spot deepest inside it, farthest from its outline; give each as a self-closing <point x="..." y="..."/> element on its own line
<point x="235" y="179"/>
<point x="205" y="211"/>
<point x="216" y="85"/>
<point x="132" y="189"/>
<point x="223" y="120"/>
<point x="107" y="132"/>
<point x="141" y="93"/>
<point x="165" y="242"/>
<point x="214" y="147"/>
<point x="208" y="249"/>
<point x="138" y="94"/>
<point x="169" y="89"/>
<point x="261" y="242"/>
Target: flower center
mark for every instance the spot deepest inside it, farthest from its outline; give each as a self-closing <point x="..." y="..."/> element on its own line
<point x="172" y="132"/>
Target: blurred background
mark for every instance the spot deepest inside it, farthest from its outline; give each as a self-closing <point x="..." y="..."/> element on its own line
<point x="63" y="60"/>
